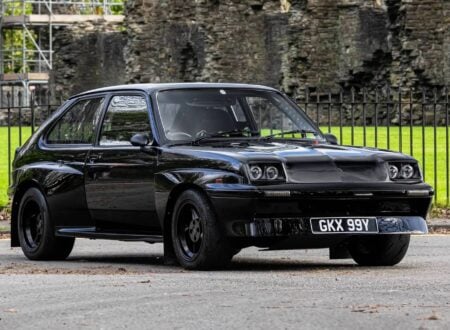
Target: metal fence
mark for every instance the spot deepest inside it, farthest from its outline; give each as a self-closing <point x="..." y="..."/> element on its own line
<point x="20" y="115"/>
<point x="412" y="121"/>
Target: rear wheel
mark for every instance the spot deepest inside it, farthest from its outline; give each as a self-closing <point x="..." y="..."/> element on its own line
<point x="36" y="231"/>
<point x="198" y="240"/>
<point x="382" y="250"/>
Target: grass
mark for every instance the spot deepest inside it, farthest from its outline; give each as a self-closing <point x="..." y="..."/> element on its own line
<point x="425" y="153"/>
<point x="15" y="142"/>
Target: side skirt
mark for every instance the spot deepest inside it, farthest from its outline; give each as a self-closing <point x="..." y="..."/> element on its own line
<point x="91" y="232"/>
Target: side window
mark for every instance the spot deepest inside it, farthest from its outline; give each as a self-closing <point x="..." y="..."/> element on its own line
<point x="125" y="116"/>
<point x="77" y="125"/>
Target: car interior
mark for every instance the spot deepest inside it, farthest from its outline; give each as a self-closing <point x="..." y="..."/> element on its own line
<point x="194" y="121"/>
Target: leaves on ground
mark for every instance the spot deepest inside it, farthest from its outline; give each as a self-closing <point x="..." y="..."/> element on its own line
<point x="11" y="310"/>
<point x="433" y="317"/>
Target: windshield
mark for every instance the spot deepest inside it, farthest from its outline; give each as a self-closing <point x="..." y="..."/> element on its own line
<point x="197" y="114"/>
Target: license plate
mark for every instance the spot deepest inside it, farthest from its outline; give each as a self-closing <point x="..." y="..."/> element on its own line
<point x="344" y="225"/>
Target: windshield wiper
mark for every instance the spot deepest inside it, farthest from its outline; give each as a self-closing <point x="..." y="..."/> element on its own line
<point x="303" y="132"/>
<point x="222" y="134"/>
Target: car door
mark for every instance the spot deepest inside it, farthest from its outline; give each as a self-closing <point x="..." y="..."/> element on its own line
<point x="120" y="177"/>
<point x="66" y="144"/>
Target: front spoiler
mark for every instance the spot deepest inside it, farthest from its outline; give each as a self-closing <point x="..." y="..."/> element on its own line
<point x="285" y="227"/>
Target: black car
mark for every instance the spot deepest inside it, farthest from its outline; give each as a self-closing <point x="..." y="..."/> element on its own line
<point x="209" y="169"/>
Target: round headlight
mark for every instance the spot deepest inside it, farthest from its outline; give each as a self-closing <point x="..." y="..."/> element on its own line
<point x="407" y="171"/>
<point x="393" y="171"/>
<point x="255" y="172"/>
<point x="271" y="172"/>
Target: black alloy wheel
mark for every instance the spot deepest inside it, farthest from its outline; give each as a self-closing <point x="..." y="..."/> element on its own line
<point x="198" y="239"/>
<point x="36" y="230"/>
<point x="32" y="224"/>
<point x="190" y="231"/>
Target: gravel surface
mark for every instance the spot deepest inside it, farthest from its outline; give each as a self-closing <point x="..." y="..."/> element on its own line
<point x="125" y="285"/>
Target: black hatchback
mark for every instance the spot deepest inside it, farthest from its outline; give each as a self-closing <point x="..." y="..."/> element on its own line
<point x="209" y="169"/>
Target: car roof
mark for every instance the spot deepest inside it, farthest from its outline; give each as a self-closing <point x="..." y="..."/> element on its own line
<point x="148" y="88"/>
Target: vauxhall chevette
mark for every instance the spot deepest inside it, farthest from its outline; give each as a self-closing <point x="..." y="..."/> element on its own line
<point x="208" y="169"/>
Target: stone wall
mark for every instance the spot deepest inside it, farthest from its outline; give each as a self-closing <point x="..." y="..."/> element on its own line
<point x="287" y="44"/>
<point x="419" y="32"/>
<point x="205" y="40"/>
<point x="87" y="55"/>
<point x="290" y="44"/>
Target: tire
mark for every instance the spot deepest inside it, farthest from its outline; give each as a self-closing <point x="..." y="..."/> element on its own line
<point x="383" y="250"/>
<point x="36" y="230"/>
<point x="197" y="238"/>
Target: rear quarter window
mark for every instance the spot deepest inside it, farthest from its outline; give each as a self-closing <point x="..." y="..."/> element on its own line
<point x="77" y="125"/>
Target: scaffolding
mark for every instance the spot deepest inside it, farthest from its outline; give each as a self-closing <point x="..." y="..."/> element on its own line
<point x="26" y="35"/>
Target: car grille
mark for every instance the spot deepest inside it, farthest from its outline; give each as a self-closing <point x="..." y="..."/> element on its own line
<point x="313" y="172"/>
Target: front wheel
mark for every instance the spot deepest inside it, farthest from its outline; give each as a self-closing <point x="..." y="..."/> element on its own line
<point x="382" y="250"/>
<point x="36" y="231"/>
<point x="198" y="241"/>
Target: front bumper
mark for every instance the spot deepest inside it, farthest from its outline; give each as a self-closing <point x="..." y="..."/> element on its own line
<point x="284" y="227"/>
<point x="285" y="210"/>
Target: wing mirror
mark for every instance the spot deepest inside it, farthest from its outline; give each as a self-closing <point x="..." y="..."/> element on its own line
<point x="331" y="139"/>
<point x="139" y="140"/>
<point x="143" y="141"/>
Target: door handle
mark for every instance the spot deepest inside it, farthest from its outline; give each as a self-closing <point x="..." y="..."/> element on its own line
<point x="95" y="157"/>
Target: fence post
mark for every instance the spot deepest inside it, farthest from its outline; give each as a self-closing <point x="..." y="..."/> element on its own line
<point x="376" y="117"/>
<point x="306" y="99"/>
<point x="388" y="116"/>
<point x="423" y="132"/>
<point x="32" y="111"/>
<point x="435" y="143"/>
<point x="271" y="120"/>
<point x="317" y="107"/>
<point x="8" y="98"/>
<point x="19" y="95"/>
<point x="411" y="140"/>
<point x="352" y="107"/>
<point x="341" y="130"/>
<point x="329" y="111"/>
<point x="48" y="103"/>
<point x="446" y="146"/>
<point x="364" y="117"/>
<point x="400" y="128"/>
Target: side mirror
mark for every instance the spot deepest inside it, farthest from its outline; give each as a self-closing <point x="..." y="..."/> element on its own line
<point x="331" y="139"/>
<point x="139" y="140"/>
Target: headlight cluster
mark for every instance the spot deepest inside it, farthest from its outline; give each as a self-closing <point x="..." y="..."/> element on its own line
<point x="266" y="172"/>
<point x="403" y="171"/>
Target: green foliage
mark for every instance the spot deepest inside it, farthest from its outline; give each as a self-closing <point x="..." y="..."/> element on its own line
<point x="13" y="39"/>
<point x="119" y="8"/>
<point x="113" y="7"/>
<point x="16" y="7"/>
